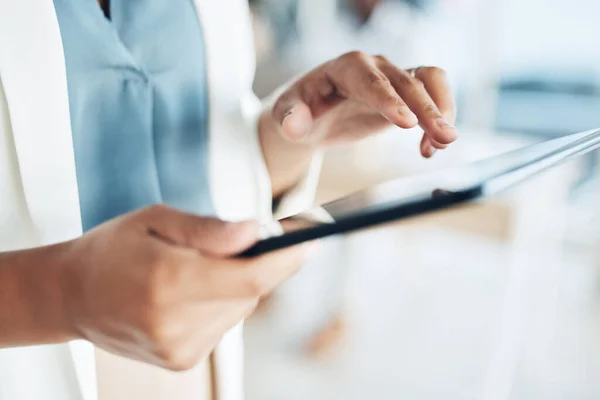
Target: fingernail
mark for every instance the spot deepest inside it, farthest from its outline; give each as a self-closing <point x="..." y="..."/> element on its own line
<point x="442" y="123"/>
<point x="406" y="112"/>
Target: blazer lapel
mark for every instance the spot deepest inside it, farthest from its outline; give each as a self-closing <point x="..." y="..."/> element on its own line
<point x="34" y="78"/>
<point x="32" y="70"/>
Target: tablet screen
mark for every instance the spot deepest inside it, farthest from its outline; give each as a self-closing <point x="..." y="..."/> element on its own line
<point x="469" y="180"/>
<point x="419" y="194"/>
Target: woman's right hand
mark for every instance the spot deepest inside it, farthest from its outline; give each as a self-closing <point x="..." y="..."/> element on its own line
<point x="162" y="287"/>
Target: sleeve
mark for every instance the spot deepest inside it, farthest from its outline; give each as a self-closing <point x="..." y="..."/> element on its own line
<point x="239" y="181"/>
<point x="299" y="198"/>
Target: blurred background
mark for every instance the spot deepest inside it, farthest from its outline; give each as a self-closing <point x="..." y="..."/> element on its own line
<point x="496" y="300"/>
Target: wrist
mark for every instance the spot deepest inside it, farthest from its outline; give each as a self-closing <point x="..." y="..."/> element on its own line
<point x="42" y="283"/>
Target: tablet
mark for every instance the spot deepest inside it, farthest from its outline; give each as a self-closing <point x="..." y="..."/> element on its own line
<point x="419" y="194"/>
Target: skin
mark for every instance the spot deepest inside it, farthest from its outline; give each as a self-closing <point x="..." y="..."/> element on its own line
<point x="347" y="99"/>
<point x="157" y="285"/>
<point x="161" y="286"/>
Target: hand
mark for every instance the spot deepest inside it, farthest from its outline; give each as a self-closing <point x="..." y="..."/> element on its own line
<point x="161" y="286"/>
<point x="356" y="95"/>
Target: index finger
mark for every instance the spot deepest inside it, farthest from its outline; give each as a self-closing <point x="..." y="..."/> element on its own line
<point x="414" y="93"/>
<point x="207" y="235"/>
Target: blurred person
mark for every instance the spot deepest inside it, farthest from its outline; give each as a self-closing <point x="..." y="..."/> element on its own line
<point x="129" y="134"/>
<point x="417" y="32"/>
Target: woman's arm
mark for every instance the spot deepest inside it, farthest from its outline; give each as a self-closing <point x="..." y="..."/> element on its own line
<point x="347" y="99"/>
<point x="31" y="303"/>
<point x="126" y="284"/>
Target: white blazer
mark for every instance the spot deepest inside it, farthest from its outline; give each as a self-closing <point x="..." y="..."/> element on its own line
<point x="38" y="189"/>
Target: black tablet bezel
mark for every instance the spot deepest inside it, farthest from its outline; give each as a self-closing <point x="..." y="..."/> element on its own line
<point x="566" y="148"/>
<point x="366" y="218"/>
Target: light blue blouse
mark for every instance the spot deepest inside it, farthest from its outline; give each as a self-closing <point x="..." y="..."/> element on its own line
<point x="138" y="103"/>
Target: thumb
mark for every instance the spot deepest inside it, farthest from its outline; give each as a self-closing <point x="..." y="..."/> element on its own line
<point x="210" y="236"/>
<point x="294" y="117"/>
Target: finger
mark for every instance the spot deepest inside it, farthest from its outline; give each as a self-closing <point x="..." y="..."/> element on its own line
<point x="427" y="149"/>
<point x="437" y="144"/>
<point x="414" y="94"/>
<point x="429" y="146"/>
<point x="259" y="276"/>
<point x="357" y="77"/>
<point x="298" y="122"/>
<point x="207" y="235"/>
<point x="293" y="115"/>
<point x="436" y="84"/>
<point x="306" y="100"/>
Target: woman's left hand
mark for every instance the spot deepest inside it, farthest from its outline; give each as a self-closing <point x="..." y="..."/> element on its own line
<point x="356" y="95"/>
